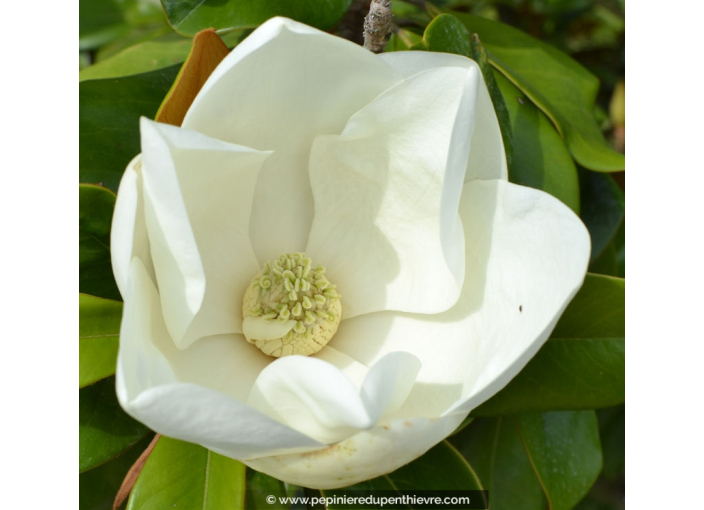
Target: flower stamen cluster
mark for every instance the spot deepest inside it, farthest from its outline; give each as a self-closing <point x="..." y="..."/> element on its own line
<point x="290" y="307"/>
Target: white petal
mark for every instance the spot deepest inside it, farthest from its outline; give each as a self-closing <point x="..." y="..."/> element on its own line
<point x="150" y="388"/>
<point x="386" y="195"/>
<point x="198" y="197"/>
<point x="389" y="382"/>
<point x="128" y="236"/>
<point x="365" y="455"/>
<point x="277" y="90"/>
<point x="526" y="257"/>
<point x="487" y="157"/>
<point x="258" y="328"/>
<point x="319" y="400"/>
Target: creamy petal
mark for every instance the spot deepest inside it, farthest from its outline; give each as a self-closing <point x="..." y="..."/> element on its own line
<point x="128" y="235"/>
<point x="277" y="90"/>
<point x="487" y="157"/>
<point x="386" y="196"/>
<point x="526" y="257"/>
<point x="316" y="398"/>
<point x="150" y="388"/>
<point x="365" y="455"/>
<point x="198" y="196"/>
<point x="258" y="328"/>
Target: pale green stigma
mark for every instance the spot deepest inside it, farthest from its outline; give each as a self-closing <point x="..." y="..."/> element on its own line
<point x="291" y="307"/>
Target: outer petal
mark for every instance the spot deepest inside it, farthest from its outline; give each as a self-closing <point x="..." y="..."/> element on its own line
<point x="198" y="195"/>
<point x="488" y="159"/>
<point x="128" y="236"/>
<point x="277" y="90"/>
<point x="386" y="195"/>
<point x="149" y="387"/>
<point x="365" y="455"/>
<point x="316" y="398"/>
<point x="526" y="257"/>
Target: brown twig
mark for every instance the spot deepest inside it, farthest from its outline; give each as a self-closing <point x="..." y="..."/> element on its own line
<point x="352" y="22"/>
<point x="377" y="26"/>
<point x="133" y="474"/>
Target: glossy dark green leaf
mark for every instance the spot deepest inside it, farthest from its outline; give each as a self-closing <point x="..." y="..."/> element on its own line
<point x="99" y="22"/>
<point x="594" y="503"/>
<point x="191" y="16"/>
<point x="258" y="487"/>
<point x="98" y="338"/>
<point x="109" y="121"/>
<point x="98" y="487"/>
<point x="565" y="452"/>
<point x="606" y="263"/>
<point x="117" y="22"/>
<point x="582" y="366"/>
<point x="612" y="431"/>
<point x="441" y="468"/>
<point x="480" y="56"/>
<point x="104" y="429"/>
<point x="540" y="158"/>
<point x="447" y="34"/>
<point x="140" y="58"/>
<point x="95" y="207"/>
<point x="603" y="209"/>
<point x="186" y="475"/>
<point x="494" y="449"/>
<point x="558" y="85"/>
<point x="619" y="242"/>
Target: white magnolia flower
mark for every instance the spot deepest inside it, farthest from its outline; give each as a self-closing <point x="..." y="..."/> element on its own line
<point x="389" y="172"/>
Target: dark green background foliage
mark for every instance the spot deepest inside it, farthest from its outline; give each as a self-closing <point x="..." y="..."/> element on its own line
<point x="554" y="436"/>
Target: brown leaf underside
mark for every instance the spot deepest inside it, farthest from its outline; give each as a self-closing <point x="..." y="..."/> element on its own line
<point x="133" y="474"/>
<point x="207" y="52"/>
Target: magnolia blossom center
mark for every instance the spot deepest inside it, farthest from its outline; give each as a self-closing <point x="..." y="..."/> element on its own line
<point x="290" y="307"/>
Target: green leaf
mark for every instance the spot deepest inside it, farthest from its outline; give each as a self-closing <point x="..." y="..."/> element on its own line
<point x="108" y="121"/>
<point x="593" y="503"/>
<point x="99" y="22"/>
<point x="606" y="263"/>
<point x="447" y="34"/>
<point x="259" y="485"/>
<point x="186" y="475"/>
<point x="565" y="452"/>
<point x="582" y="366"/>
<point x="612" y="431"/>
<point x="104" y="429"/>
<point x="558" y="85"/>
<point x="98" y="338"/>
<point x="117" y="22"/>
<point x="619" y="243"/>
<point x="603" y="209"/>
<point x="95" y="207"/>
<point x="482" y="59"/>
<point x="534" y="461"/>
<point x="441" y="468"/>
<point x="98" y="487"/>
<point x="402" y="40"/>
<point x="191" y="16"/>
<point x="540" y="158"/>
<point x="494" y="449"/>
<point x="140" y="58"/>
